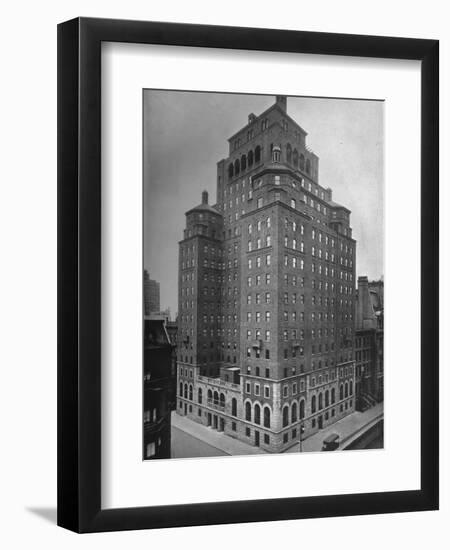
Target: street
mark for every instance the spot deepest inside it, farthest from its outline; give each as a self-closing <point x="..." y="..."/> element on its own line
<point x="185" y="445"/>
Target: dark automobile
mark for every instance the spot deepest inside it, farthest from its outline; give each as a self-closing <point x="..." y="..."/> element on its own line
<point x="331" y="442"/>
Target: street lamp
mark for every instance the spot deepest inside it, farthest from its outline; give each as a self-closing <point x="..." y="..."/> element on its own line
<point x="302" y="431"/>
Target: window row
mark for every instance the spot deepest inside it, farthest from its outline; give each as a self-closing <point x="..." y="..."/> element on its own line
<point x="258" y="226"/>
<point x="255" y="415"/>
<point x="259" y="243"/>
<point x="246" y="161"/>
<point x="257" y="261"/>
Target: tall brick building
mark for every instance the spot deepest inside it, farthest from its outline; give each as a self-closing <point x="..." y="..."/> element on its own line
<point x="151" y="295"/>
<point x="266" y="293"/>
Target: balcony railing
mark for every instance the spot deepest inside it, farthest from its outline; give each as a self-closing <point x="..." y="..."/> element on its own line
<point x="218" y="382"/>
<point x="216" y="404"/>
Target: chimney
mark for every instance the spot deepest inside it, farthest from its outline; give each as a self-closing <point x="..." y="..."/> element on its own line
<point x="205" y="197"/>
<point x="281" y="101"/>
<point x="251" y="118"/>
<point x="330" y="193"/>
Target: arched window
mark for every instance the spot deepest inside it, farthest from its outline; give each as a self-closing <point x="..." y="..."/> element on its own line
<point x="248" y="411"/>
<point x="308" y="166"/>
<point x="320" y="401"/>
<point x="199" y="395"/>
<point x="351" y="387"/>
<point x="341" y="391"/>
<point x="295" y="158"/>
<point x="266" y="417"/>
<point x="333" y="395"/>
<point x="234" y="407"/>
<point x="257" y="414"/>
<point x="285" y="416"/>
<point x="237" y="167"/>
<point x="181" y="389"/>
<point x="250" y="159"/>
<point x="346" y="389"/>
<point x="230" y="170"/>
<point x="222" y="400"/>
<point x="209" y="396"/>
<point x="185" y="391"/>
<point x="302" y="163"/>
<point x="216" y="398"/>
<point x="243" y="162"/>
<point x="294" y="413"/>
<point x="302" y="409"/>
<point x="289" y="153"/>
<point x="313" y="404"/>
<point x="257" y="154"/>
<point x="327" y="398"/>
<point x="191" y="392"/>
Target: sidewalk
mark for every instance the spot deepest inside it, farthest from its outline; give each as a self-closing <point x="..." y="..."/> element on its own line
<point x="212" y="437"/>
<point x="345" y="428"/>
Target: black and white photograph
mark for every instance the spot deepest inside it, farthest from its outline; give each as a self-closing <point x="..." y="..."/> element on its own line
<point x="263" y="277"/>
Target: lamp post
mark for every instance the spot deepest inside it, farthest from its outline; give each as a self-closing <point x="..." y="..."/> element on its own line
<point x="302" y="431"/>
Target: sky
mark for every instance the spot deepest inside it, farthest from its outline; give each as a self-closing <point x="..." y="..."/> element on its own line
<point x="185" y="135"/>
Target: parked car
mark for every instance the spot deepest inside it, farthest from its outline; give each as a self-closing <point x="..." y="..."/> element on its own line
<point x="331" y="442"/>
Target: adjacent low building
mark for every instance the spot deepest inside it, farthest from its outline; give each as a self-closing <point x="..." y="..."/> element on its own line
<point x="369" y="343"/>
<point x="158" y="383"/>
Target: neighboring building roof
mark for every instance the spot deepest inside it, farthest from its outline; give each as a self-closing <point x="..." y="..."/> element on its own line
<point x="204" y="208"/>
<point x="337" y="205"/>
<point x="274" y="106"/>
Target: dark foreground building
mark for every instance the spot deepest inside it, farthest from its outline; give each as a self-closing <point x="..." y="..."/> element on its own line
<point x="157" y="390"/>
<point x="266" y="293"/>
<point x="369" y="343"/>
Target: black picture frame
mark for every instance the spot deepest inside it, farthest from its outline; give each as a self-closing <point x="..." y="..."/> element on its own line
<point x="79" y="274"/>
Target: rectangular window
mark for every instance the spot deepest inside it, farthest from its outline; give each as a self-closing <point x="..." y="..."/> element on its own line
<point x="151" y="449"/>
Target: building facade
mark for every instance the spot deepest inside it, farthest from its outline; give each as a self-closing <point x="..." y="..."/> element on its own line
<point x="266" y="293"/>
<point x="157" y="390"/>
<point x="369" y="343"/>
<point x="151" y="295"/>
